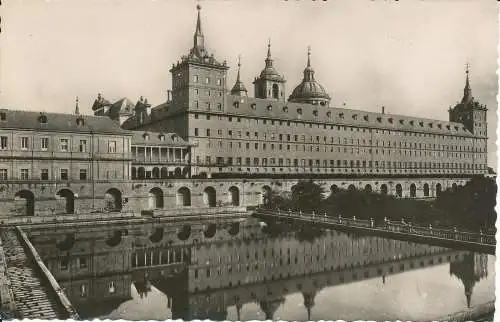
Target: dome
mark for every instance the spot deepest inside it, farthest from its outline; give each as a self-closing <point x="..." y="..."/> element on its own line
<point x="309" y="90"/>
<point x="269" y="72"/>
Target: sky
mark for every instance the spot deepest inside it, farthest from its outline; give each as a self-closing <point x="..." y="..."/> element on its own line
<point x="408" y="56"/>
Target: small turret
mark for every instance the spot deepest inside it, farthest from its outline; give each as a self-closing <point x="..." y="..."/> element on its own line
<point x="238" y="88"/>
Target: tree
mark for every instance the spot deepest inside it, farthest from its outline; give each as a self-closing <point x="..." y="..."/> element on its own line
<point x="307" y="196"/>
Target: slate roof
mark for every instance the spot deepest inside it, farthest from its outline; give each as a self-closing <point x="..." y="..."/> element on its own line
<point x="58" y="122"/>
<point x="154" y="138"/>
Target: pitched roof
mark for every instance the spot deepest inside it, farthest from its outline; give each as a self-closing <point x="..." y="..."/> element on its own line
<point x="58" y="122"/>
<point x="155" y="138"/>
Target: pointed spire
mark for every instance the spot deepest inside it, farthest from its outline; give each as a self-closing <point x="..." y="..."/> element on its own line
<point x="77" y="109"/>
<point x="308" y="56"/>
<point x="239" y="88"/>
<point x="199" y="40"/>
<point x="467" y="90"/>
<point x="269" y="48"/>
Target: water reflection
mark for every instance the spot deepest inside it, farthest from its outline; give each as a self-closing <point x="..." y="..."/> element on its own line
<point x="237" y="270"/>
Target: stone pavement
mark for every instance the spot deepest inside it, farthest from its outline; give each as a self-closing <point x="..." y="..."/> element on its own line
<point x="34" y="299"/>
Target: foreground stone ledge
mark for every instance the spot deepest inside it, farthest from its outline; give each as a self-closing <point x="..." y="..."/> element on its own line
<point x="471" y="314"/>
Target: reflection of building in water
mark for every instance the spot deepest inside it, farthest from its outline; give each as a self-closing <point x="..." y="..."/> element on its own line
<point x="254" y="261"/>
<point x="470" y="269"/>
<point x="264" y="271"/>
<point x="203" y="273"/>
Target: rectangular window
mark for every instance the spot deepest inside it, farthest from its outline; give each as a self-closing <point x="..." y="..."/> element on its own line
<point x="3" y="142"/>
<point x="83" y="146"/>
<point x="112" y="147"/>
<point x="3" y="174"/>
<point x="24" y="174"/>
<point x="195" y="131"/>
<point x="24" y="143"/>
<point x="44" y="144"/>
<point x="64" y="144"/>
<point x="64" y="174"/>
<point x="207" y="159"/>
<point x="83" y="262"/>
<point x="208" y="132"/>
<point x="83" y="174"/>
<point x="44" y="175"/>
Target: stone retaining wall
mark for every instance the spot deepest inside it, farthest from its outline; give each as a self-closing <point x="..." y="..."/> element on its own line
<point x="7" y="302"/>
<point x="47" y="275"/>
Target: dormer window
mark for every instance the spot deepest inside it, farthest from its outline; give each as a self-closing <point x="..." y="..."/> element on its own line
<point x="162" y="137"/>
<point x="42" y="118"/>
<point x="421" y="123"/>
<point x="365" y="117"/>
<point x="355" y="116"/>
<point x="456" y="128"/>
<point x="390" y="120"/>
<point x="315" y="112"/>
<point x="269" y="107"/>
<point x="80" y="121"/>
<point x="440" y="126"/>
<point x="145" y="136"/>
<point x="379" y="119"/>
<point x="236" y="104"/>
<point x="299" y="111"/>
<point x="285" y="109"/>
<point x="430" y="124"/>
<point x="175" y="138"/>
<point x="402" y="121"/>
<point x="448" y="127"/>
<point x="329" y="114"/>
<point x="253" y="106"/>
<point x="411" y="122"/>
<point x="322" y="103"/>
<point x="341" y="115"/>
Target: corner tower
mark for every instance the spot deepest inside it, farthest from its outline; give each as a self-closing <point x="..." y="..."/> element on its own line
<point x="198" y="79"/>
<point x="270" y="84"/>
<point x="470" y="112"/>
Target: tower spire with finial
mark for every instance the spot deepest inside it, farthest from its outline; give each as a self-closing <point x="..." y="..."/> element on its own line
<point x="199" y="40"/>
<point x="467" y="90"/>
<point x="239" y="88"/>
<point x="308" y="56"/>
<point x="77" y="109"/>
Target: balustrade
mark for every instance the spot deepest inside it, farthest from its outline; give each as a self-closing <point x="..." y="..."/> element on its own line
<point x="400" y="227"/>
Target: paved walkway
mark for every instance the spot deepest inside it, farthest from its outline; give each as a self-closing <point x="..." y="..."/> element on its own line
<point x="33" y="299"/>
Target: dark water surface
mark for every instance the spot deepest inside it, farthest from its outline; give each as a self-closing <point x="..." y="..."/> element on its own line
<point x="238" y="270"/>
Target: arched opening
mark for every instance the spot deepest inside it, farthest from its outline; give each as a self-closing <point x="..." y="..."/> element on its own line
<point x="178" y="172"/>
<point x="113" y="199"/>
<point x="134" y="172"/>
<point x="234" y="196"/>
<point x="276" y="91"/>
<point x="155" y="198"/>
<point x="156" y="172"/>
<point x="164" y="173"/>
<point x="184" y="233"/>
<point x="26" y="205"/>
<point x="383" y="189"/>
<point x="399" y="190"/>
<point x="210" y="197"/>
<point x="157" y="235"/>
<point x="183" y="197"/>
<point x="413" y="190"/>
<point x="185" y="172"/>
<point x="454" y="187"/>
<point x="67" y="243"/>
<point x="368" y="188"/>
<point x="235" y="229"/>
<point x="69" y="200"/>
<point x="115" y="239"/>
<point x="211" y="230"/>
<point x="265" y="195"/>
<point x="351" y="187"/>
<point x="141" y="173"/>
<point x="426" y="190"/>
<point x="438" y="190"/>
<point x="334" y="189"/>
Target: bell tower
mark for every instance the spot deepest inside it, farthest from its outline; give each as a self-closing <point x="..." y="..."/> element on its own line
<point x="270" y="84"/>
<point x="470" y="112"/>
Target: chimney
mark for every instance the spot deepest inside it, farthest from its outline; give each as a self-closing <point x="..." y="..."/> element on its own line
<point x="383" y="109"/>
